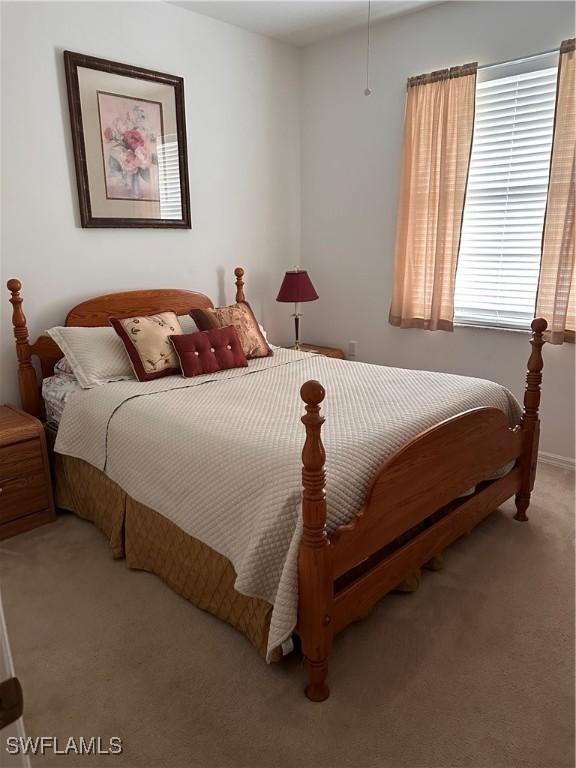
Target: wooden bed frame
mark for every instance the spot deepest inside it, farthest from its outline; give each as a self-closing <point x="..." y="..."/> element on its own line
<point x="413" y="510"/>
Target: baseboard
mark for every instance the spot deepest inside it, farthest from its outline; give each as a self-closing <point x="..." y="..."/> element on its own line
<point x="557" y="461"/>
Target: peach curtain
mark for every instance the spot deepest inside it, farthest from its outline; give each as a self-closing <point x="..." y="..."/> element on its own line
<point x="556" y="288"/>
<point x="438" y="130"/>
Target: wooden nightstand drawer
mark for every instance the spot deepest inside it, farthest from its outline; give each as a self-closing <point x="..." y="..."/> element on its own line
<point x="25" y="483"/>
<point x="20" y="459"/>
<point x="21" y="496"/>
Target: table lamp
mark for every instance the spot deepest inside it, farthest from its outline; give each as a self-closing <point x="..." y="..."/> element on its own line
<point x="297" y="287"/>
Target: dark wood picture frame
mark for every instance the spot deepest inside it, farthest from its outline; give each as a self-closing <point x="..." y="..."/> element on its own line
<point x="72" y="61"/>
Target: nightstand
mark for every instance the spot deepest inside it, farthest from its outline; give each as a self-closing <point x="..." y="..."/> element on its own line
<point x="326" y="351"/>
<point x="25" y="485"/>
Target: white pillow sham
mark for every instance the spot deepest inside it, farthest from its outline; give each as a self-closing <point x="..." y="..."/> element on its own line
<point x="187" y="324"/>
<point x="96" y="355"/>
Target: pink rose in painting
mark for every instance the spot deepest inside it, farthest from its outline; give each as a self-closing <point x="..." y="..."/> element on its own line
<point x="129" y="162"/>
<point x="108" y="133"/>
<point x="143" y="156"/>
<point x="133" y="138"/>
<point x="120" y="126"/>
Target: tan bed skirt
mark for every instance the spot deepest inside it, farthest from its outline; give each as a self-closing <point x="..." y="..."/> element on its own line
<point x="151" y="542"/>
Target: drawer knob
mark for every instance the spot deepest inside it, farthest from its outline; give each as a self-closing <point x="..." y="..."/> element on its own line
<point x="18" y="482"/>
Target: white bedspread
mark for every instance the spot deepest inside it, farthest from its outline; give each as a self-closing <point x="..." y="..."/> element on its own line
<point x="219" y="455"/>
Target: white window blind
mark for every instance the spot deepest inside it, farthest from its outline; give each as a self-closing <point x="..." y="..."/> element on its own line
<point x="169" y="177"/>
<point x="500" y="246"/>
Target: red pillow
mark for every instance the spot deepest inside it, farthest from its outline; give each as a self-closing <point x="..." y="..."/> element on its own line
<point x="209" y="351"/>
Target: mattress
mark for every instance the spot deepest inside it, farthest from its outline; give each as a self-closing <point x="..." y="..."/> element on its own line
<point x="220" y="455"/>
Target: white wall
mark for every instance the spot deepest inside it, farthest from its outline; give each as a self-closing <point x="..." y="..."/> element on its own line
<point x="351" y="148"/>
<point x="247" y="114"/>
<point x="242" y="109"/>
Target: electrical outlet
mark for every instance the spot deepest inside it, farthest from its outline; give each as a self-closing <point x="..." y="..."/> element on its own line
<point x="352" y="348"/>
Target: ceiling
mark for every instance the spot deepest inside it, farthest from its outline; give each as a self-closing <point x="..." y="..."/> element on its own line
<point x="300" y="22"/>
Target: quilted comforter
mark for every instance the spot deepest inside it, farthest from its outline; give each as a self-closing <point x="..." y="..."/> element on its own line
<point x="220" y="454"/>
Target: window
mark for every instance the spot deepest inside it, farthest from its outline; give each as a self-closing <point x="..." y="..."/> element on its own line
<point x="500" y="246"/>
<point x="169" y="177"/>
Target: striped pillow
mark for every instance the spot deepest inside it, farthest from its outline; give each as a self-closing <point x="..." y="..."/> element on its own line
<point x="96" y="355"/>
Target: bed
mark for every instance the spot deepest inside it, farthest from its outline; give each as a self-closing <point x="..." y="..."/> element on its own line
<point x="410" y="460"/>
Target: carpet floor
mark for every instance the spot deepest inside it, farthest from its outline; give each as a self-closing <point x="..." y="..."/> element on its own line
<point x="475" y="670"/>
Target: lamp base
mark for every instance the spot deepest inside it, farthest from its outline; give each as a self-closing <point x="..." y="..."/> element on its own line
<point x="297" y="317"/>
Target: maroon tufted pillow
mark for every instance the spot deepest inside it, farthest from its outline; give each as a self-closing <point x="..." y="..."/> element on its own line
<point x="209" y="351"/>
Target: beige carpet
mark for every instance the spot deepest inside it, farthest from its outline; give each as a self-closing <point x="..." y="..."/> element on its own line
<point x="475" y="669"/>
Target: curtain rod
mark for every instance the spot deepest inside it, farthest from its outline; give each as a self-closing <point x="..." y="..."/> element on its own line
<point x="520" y="61"/>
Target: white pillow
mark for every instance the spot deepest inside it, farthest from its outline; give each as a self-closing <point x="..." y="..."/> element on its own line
<point x="187" y="324"/>
<point x="96" y="355"/>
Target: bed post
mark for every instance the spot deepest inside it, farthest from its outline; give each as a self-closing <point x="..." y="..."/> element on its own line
<point x="530" y="422"/>
<point x="27" y="380"/>
<point x="239" y="272"/>
<point x="314" y="572"/>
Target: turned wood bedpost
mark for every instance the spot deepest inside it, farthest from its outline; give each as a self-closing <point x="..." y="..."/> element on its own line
<point x="530" y="421"/>
<point x="29" y="393"/>
<point x="239" y="272"/>
<point x="314" y="571"/>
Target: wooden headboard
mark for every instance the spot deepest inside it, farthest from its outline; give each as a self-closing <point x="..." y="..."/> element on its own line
<point x="92" y="313"/>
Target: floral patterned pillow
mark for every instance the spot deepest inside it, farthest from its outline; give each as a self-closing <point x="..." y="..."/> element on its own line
<point x="242" y="318"/>
<point x="147" y="341"/>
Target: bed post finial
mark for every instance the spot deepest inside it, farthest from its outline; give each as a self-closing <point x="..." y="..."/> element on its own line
<point x="534" y="372"/>
<point x="239" y="272"/>
<point x="530" y="420"/>
<point x="26" y="373"/>
<point x="18" y="316"/>
<point x="314" y="573"/>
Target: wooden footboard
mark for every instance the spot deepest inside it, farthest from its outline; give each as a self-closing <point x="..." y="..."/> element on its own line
<point x="425" y="496"/>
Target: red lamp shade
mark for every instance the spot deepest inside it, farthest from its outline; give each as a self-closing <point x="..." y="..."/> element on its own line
<point x="297" y="287"/>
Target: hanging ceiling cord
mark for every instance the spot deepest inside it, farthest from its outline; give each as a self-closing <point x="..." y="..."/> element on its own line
<point x="367" y="90"/>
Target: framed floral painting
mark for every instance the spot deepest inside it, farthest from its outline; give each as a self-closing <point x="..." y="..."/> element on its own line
<point x="129" y="140"/>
